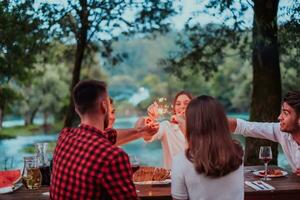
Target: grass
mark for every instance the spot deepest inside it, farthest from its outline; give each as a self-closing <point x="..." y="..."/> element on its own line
<point x="12" y="132"/>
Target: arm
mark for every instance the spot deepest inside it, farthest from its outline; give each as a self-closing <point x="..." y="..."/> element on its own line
<point x="180" y="120"/>
<point x="117" y="180"/>
<point x="127" y="135"/>
<point x="140" y="130"/>
<point x="158" y="135"/>
<point x="232" y="124"/>
<point x="263" y="130"/>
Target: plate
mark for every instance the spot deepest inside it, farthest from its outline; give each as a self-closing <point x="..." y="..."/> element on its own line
<point x="10" y="189"/>
<point x="258" y="173"/>
<point x="164" y="182"/>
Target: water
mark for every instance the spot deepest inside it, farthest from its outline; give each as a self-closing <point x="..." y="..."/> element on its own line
<point x="148" y="153"/>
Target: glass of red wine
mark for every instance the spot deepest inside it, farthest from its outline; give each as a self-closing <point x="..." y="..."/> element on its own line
<point x="135" y="163"/>
<point x="265" y="154"/>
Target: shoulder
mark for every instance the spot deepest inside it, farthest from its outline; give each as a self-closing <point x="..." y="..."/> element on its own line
<point x="180" y="159"/>
<point x="66" y="131"/>
<point x="116" y="155"/>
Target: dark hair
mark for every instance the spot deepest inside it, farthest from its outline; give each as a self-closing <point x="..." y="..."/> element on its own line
<point x="183" y="92"/>
<point x="87" y="93"/>
<point x="293" y="99"/>
<point x="210" y="147"/>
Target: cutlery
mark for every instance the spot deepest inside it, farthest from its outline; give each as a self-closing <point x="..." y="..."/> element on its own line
<point x="254" y="186"/>
<point x="262" y="187"/>
<point x="270" y="187"/>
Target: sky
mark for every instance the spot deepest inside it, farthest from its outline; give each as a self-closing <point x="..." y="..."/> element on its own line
<point x="191" y="6"/>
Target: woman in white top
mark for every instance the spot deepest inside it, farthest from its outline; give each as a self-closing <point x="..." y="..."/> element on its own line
<point x="212" y="165"/>
<point x="170" y="132"/>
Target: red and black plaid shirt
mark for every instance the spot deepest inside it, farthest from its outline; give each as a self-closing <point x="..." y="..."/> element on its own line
<point x="86" y="165"/>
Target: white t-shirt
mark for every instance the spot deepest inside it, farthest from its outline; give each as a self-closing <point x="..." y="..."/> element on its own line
<point x="172" y="139"/>
<point x="188" y="184"/>
<point x="271" y="131"/>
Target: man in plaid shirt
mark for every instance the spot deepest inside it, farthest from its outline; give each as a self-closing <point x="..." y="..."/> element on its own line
<point x="86" y="164"/>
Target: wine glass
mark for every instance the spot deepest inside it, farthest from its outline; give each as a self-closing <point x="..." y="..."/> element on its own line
<point x="265" y="154"/>
<point x="135" y="163"/>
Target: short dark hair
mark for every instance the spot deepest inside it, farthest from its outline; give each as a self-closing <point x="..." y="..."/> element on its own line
<point x="293" y="99"/>
<point x="86" y="93"/>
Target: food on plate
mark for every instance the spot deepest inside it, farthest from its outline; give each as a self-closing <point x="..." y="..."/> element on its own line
<point x="272" y="172"/>
<point x="151" y="174"/>
<point x="9" y="178"/>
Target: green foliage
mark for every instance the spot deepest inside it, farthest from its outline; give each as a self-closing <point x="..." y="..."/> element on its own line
<point x="22" y="38"/>
<point x="8" y="95"/>
<point x="231" y="83"/>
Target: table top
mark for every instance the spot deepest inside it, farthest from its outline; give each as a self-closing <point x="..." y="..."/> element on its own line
<point x="284" y="186"/>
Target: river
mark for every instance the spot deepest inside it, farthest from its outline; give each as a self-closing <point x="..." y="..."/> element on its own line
<point x="11" y="150"/>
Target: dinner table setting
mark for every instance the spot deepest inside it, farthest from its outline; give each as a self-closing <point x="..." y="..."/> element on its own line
<point x="282" y="186"/>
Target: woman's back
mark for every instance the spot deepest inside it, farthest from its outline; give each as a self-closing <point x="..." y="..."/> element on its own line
<point x="188" y="184"/>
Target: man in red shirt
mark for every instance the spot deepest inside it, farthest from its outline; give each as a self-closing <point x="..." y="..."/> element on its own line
<point x="86" y="163"/>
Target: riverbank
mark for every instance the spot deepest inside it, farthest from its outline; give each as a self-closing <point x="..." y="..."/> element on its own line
<point x="13" y="132"/>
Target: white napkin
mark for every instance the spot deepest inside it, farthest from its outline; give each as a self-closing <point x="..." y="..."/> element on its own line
<point x="266" y="185"/>
<point x="259" y="185"/>
<point x="255" y="187"/>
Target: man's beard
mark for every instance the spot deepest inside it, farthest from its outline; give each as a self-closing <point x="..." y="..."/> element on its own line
<point x="295" y="128"/>
<point x="106" y="120"/>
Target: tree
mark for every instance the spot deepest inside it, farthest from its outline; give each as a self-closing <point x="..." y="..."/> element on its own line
<point x="205" y="51"/>
<point x="23" y="36"/>
<point x="46" y="94"/>
<point x="92" y="20"/>
<point x="7" y="95"/>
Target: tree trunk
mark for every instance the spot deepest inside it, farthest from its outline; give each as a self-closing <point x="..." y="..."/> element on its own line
<point x="70" y="116"/>
<point x="266" y="96"/>
<point x="81" y="38"/>
<point x="27" y="118"/>
<point x="32" y="115"/>
<point x="46" y="115"/>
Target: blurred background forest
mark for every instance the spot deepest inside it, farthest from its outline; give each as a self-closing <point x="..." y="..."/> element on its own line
<point x="144" y="50"/>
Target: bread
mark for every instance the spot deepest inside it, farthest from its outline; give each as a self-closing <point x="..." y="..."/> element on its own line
<point x="151" y="174"/>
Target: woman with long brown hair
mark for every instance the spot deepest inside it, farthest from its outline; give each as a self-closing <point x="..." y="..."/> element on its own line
<point x="212" y="165"/>
<point x="170" y="132"/>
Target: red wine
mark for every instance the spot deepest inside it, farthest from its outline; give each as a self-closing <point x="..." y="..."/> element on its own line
<point x="266" y="160"/>
<point x="45" y="171"/>
<point x="135" y="168"/>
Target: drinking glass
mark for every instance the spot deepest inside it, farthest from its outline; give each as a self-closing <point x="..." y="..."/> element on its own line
<point x="32" y="177"/>
<point x="43" y="162"/>
<point x="135" y="163"/>
<point x="265" y="154"/>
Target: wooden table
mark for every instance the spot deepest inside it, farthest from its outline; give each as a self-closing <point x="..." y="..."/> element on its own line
<point x="287" y="188"/>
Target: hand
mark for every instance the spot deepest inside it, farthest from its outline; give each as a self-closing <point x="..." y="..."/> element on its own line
<point x="153" y="111"/>
<point x="180" y="120"/>
<point x="147" y="127"/>
<point x="298" y="172"/>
